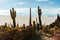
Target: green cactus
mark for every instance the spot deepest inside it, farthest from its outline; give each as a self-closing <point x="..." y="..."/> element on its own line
<point x="39" y="15"/>
<point x="13" y="16"/>
<point x="30" y="18"/>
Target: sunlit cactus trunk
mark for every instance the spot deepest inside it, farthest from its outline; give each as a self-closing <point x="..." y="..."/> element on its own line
<point x="13" y="16"/>
<point x="39" y="15"/>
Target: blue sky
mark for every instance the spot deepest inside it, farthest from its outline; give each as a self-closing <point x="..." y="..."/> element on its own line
<point x="49" y="7"/>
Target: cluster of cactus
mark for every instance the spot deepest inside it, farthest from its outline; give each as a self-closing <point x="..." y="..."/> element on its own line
<point x="13" y="16"/>
<point x="39" y="15"/>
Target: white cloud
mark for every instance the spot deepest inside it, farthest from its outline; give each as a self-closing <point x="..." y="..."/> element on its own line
<point x="35" y="11"/>
<point x="22" y="3"/>
<point x="51" y="10"/>
<point x="4" y="12"/>
<point x="26" y="11"/>
<point x="51" y="2"/>
<point x="22" y="10"/>
<point x="43" y="0"/>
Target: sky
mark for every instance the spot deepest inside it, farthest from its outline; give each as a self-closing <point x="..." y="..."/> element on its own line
<point x="49" y="7"/>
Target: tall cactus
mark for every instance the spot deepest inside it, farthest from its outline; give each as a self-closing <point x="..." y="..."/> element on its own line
<point x="30" y="18"/>
<point x="39" y="15"/>
<point x="13" y="16"/>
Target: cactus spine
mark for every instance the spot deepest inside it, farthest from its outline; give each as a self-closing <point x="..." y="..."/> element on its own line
<point x="13" y="16"/>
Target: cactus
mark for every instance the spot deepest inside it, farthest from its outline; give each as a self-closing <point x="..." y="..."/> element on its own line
<point x="24" y="26"/>
<point x="30" y="18"/>
<point x="5" y="24"/>
<point x="17" y="24"/>
<point x="39" y="15"/>
<point x="57" y="16"/>
<point x="13" y="16"/>
<point x="37" y="25"/>
<point x="34" y="24"/>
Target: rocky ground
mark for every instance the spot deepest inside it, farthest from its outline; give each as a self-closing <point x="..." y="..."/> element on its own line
<point x="47" y="38"/>
<point x="21" y="35"/>
<point x="39" y="37"/>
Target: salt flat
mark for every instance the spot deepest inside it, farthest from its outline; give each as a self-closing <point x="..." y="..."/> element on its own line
<point x="25" y="20"/>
